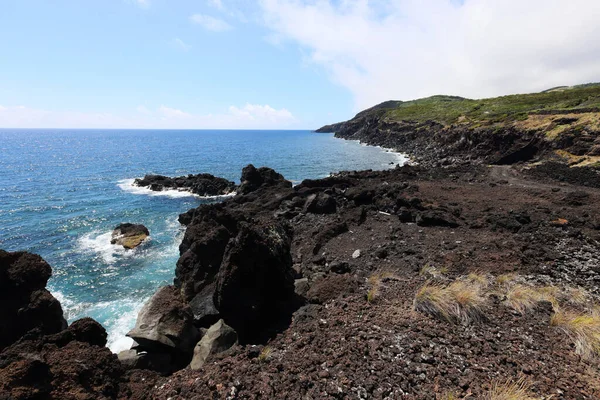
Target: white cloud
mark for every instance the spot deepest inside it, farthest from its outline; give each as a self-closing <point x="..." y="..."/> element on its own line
<point x="255" y="112"/>
<point x="168" y="112"/>
<point x="143" y="110"/>
<point x="218" y="4"/>
<point x="180" y="45"/>
<point x="249" y="116"/>
<point x="210" y="23"/>
<point x="403" y="49"/>
<point x="142" y="3"/>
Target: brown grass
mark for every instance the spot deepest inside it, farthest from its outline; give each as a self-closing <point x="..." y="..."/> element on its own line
<point x="461" y="301"/>
<point x="265" y="354"/>
<point x="509" y="390"/>
<point x="525" y="298"/>
<point x="506" y="279"/>
<point x="582" y="328"/>
<point x="431" y="271"/>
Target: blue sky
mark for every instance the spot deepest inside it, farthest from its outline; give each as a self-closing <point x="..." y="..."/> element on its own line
<point x="276" y="63"/>
<point x="117" y="56"/>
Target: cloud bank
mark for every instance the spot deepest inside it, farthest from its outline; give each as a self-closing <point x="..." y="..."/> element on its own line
<point x="405" y="49"/>
<point x="249" y="116"/>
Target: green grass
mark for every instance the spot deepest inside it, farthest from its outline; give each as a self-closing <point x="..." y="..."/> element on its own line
<point x="451" y="109"/>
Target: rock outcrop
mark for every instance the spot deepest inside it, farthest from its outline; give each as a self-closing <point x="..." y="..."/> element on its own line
<point x="40" y="358"/>
<point x="26" y="304"/>
<point x="200" y="184"/>
<point x="255" y="280"/>
<point x="129" y="235"/>
<point x="165" y="330"/>
<point x="254" y="178"/>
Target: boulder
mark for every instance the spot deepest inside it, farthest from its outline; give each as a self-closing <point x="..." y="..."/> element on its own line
<point x="26" y="304"/>
<point x="320" y="203"/>
<point x="129" y="235"/>
<point x="436" y="218"/>
<point x="85" y="330"/>
<point x="256" y="279"/>
<point x="219" y="338"/>
<point x="254" y="178"/>
<point x="165" y="323"/>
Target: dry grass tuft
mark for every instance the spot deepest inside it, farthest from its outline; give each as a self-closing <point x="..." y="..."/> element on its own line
<point x="582" y="328"/>
<point x="577" y="296"/>
<point x="522" y="298"/>
<point x="478" y="278"/>
<point x="431" y="271"/>
<point x="509" y="390"/>
<point x="265" y="354"/>
<point x="525" y="298"/>
<point x="506" y="279"/>
<point x="461" y="301"/>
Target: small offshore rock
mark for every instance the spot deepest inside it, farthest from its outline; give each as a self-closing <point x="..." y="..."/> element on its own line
<point x="129" y="235"/>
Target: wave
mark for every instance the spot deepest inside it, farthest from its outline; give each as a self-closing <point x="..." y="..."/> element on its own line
<point x="128" y="186"/>
<point x="99" y="243"/>
<point x="118" y="317"/>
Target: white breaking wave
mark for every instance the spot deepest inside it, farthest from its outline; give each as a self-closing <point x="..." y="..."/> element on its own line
<point x="123" y="314"/>
<point x="99" y="243"/>
<point x="128" y="186"/>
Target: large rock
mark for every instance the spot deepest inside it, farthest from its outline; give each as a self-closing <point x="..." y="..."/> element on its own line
<point x="129" y="235"/>
<point x="219" y="338"/>
<point x="256" y="277"/>
<point x="254" y="178"/>
<point x="165" y="321"/>
<point x="26" y="304"/>
<point x="321" y="203"/>
<point x="200" y="184"/>
<point x="202" y="248"/>
<point x="39" y="358"/>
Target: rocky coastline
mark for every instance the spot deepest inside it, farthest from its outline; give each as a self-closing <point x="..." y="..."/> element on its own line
<point x="446" y="279"/>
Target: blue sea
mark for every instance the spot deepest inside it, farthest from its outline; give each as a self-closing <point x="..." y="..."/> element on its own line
<point x="63" y="191"/>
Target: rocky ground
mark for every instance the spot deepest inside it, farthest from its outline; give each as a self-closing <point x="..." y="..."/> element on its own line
<point x="322" y="285"/>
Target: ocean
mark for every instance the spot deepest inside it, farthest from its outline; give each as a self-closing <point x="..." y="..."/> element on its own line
<point x="63" y="191"/>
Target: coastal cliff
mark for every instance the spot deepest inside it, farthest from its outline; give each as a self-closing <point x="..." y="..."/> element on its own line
<point x="561" y="124"/>
<point x="475" y="270"/>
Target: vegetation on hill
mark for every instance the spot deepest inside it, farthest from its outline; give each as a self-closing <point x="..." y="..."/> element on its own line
<point x="452" y="109"/>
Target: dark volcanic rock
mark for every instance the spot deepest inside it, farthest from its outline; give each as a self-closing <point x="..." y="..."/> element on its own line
<point x="129" y="235"/>
<point x="255" y="279"/>
<point x="85" y="330"/>
<point x="253" y="179"/>
<point x="201" y="184"/>
<point x="26" y="304"/>
<point x="321" y="203"/>
<point x="203" y="247"/>
<point x="45" y="360"/>
<point x="40" y="369"/>
<point x="203" y="307"/>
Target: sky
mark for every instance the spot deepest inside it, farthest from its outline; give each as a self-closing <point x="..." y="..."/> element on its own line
<point x="276" y="64"/>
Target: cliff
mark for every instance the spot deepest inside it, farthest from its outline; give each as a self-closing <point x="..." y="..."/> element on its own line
<point x="562" y="124"/>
